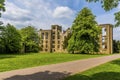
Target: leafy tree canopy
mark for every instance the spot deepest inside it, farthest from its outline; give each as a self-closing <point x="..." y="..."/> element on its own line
<point x="85" y="33"/>
<point x="108" y="5"/>
<point x="30" y="39"/>
<point x="10" y="39"/>
<point x="2" y="7"/>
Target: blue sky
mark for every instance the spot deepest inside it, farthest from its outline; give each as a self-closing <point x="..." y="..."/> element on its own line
<point x="43" y="13"/>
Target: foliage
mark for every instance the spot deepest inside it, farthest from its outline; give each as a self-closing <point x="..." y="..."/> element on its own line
<point x="2" y="8"/>
<point x="116" y="46"/>
<point x="14" y="41"/>
<point x="10" y="39"/>
<point x="85" y="33"/>
<point x="18" y="61"/>
<point x="30" y="39"/>
<point x="117" y="19"/>
<point x="108" y="5"/>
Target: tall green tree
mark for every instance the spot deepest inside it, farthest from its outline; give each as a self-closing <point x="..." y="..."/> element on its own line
<point x="2" y="8"/>
<point x="85" y="33"/>
<point x="109" y="5"/>
<point x="30" y="39"/>
<point x="10" y="39"/>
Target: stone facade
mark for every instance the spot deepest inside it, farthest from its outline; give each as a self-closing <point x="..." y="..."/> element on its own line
<point x="46" y="40"/>
<point x="52" y="40"/>
<point x="106" y="39"/>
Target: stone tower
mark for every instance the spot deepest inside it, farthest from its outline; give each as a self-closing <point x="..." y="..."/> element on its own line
<point x="106" y="39"/>
<point x="45" y="43"/>
<point x="51" y="40"/>
<point x="56" y="38"/>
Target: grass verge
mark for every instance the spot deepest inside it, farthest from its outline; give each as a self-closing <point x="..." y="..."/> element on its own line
<point x="107" y="71"/>
<point x="20" y="61"/>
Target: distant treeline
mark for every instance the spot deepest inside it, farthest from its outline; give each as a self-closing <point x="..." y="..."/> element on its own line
<point x="13" y="40"/>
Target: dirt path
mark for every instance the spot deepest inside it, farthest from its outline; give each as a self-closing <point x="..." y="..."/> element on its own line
<point x="56" y="71"/>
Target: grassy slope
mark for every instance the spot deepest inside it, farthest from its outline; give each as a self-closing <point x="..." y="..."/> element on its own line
<point x="108" y="71"/>
<point x="12" y="62"/>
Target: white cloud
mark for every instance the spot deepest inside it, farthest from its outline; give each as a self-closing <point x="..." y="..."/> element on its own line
<point x="15" y="15"/>
<point x="63" y="12"/>
<point x="14" y="11"/>
<point x="36" y="12"/>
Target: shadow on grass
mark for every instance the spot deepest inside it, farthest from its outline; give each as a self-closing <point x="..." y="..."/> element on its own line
<point x="6" y="56"/>
<point x="97" y="76"/>
<point x="117" y="62"/>
<point x="47" y="75"/>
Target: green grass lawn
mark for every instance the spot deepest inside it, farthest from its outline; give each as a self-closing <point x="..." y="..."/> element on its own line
<point x="108" y="71"/>
<point x="19" y="61"/>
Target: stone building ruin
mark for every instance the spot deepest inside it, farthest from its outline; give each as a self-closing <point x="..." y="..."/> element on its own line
<point x="52" y="40"/>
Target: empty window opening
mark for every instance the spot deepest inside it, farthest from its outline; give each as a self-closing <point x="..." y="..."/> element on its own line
<point x="42" y="35"/>
<point x="46" y="35"/>
<point x="103" y="31"/>
<point x="58" y="46"/>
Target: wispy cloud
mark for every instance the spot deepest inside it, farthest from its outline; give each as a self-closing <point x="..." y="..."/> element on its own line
<point x="63" y="12"/>
<point x="38" y="13"/>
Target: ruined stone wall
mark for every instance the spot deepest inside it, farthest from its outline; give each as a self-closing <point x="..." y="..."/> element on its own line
<point x="106" y="39"/>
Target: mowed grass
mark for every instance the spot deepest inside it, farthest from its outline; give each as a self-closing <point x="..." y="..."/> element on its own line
<point x="20" y="61"/>
<point x="108" y="71"/>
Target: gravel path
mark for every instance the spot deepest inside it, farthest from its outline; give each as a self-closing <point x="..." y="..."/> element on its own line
<point x="56" y="71"/>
